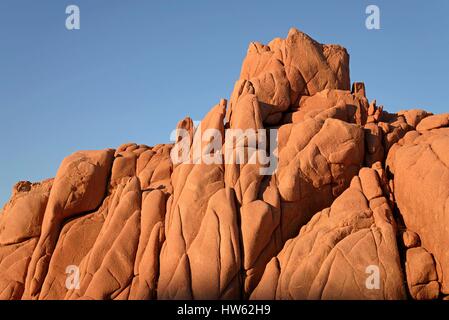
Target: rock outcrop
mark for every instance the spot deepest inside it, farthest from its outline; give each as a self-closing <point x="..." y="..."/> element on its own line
<point x="353" y="204"/>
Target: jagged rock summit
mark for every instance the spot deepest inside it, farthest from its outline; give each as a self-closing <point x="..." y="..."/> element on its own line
<point x="357" y="208"/>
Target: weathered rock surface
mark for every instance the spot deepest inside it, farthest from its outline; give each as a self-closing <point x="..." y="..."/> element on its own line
<point x="420" y="166"/>
<point x="356" y="208"/>
<point x="422" y="276"/>
<point x="332" y="254"/>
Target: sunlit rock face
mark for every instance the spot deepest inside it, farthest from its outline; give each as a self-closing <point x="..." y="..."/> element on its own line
<point x="356" y="205"/>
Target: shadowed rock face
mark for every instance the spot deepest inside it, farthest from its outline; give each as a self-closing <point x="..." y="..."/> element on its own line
<point x="357" y="208"/>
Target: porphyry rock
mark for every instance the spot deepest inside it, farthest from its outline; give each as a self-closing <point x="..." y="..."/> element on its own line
<point x="352" y="204"/>
<point x="420" y="167"/>
<point x="422" y="276"/>
<point x="334" y="254"/>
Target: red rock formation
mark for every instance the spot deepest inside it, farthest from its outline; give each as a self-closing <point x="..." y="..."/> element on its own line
<point x="357" y="208"/>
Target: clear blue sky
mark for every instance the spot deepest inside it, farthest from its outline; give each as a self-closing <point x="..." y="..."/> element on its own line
<point x="137" y="67"/>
